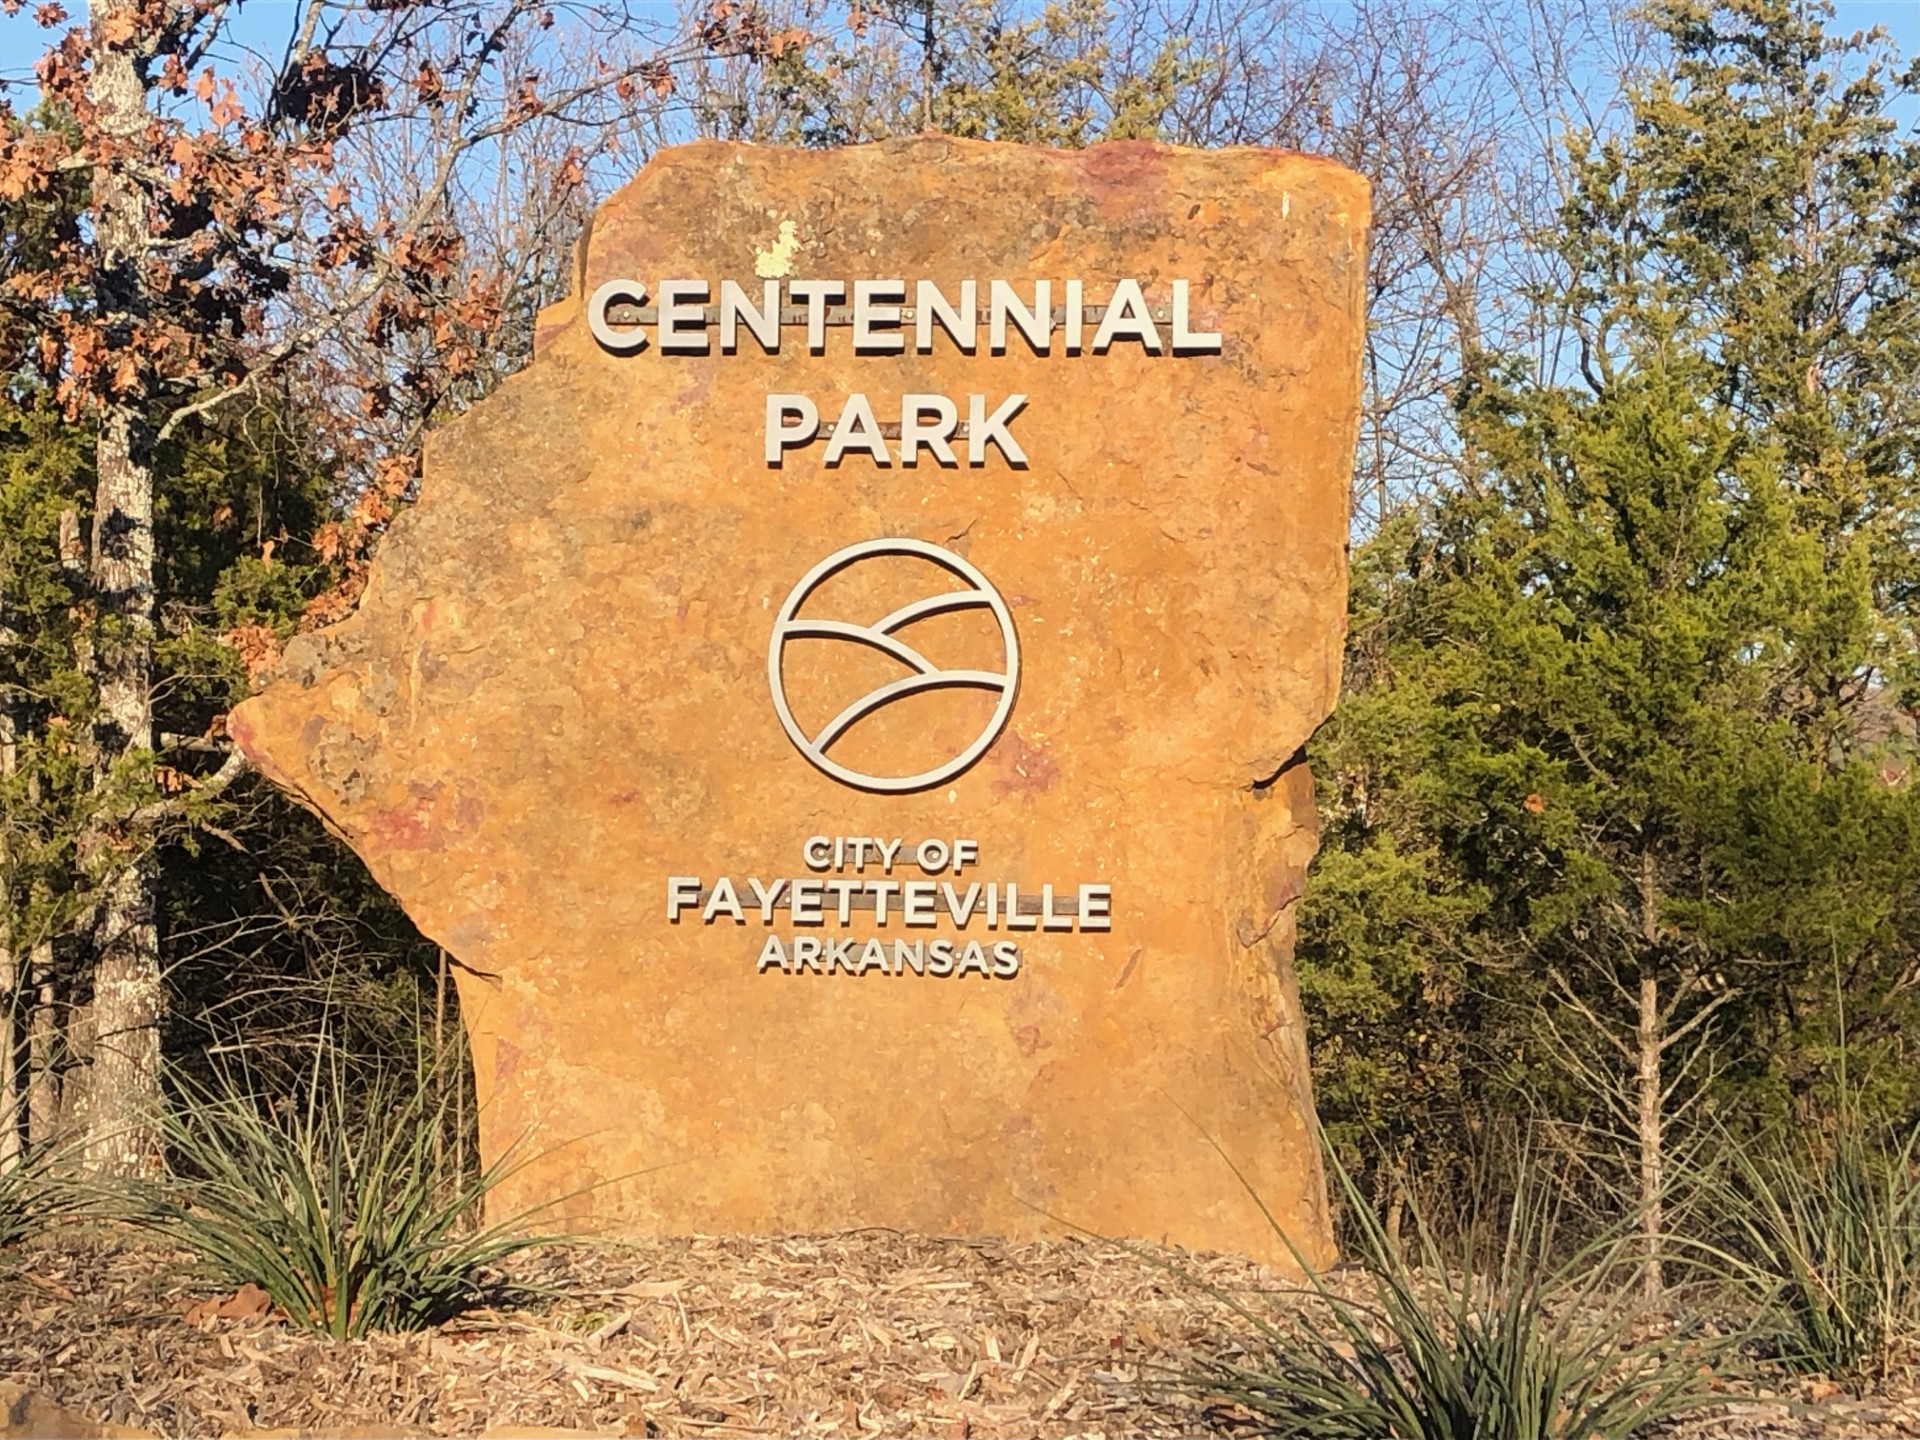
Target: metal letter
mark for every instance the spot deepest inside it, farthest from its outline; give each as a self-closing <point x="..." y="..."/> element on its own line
<point x="683" y="303"/>
<point x="1186" y="341"/>
<point x="683" y="893"/>
<point x="816" y="293"/>
<point x="1127" y="318"/>
<point x="982" y="427"/>
<point x="781" y="435"/>
<point x="619" y="342"/>
<point x="914" y="434"/>
<point x="1096" y="907"/>
<point x="723" y="898"/>
<point x="1012" y="912"/>
<point x="767" y="897"/>
<point x="1036" y="324"/>
<point x="1050" y="919"/>
<point x="856" y="429"/>
<point x="962" y="910"/>
<point x="804" y="897"/>
<point x="916" y="903"/>
<point x="763" y="322"/>
<point x="839" y="954"/>
<point x="866" y="314"/>
<point x="962" y="325"/>
<point x="843" y="892"/>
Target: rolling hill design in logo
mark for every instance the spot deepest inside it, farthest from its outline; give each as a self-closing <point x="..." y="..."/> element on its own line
<point x="865" y="574"/>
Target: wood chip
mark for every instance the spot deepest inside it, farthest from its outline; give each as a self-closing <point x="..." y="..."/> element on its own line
<point x="597" y="1341"/>
<point x="871" y="1333"/>
<point x="626" y="1379"/>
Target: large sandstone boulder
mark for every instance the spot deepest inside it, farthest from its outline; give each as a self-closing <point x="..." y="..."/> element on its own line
<point x="552" y="731"/>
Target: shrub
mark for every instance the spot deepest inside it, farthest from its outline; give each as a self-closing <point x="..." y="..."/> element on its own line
<point x="1828" y="1240"/>
<point x="345" y="1213"/>
<point x="1500" y="1343"/>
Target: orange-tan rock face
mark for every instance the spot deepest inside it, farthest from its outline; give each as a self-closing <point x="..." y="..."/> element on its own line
<point x="550" y="728"/>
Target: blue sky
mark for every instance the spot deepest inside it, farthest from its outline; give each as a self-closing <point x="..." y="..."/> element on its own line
<point x="1900" y="18"/>
<point x="262" y="24"/>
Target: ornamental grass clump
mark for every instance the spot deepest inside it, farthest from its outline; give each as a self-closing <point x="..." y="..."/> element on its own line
<point x="1828" y="1241"/>
<point x="344" y="1210"/>
<point x="1500" y="1341"/>
<point x="37" y="1194"/>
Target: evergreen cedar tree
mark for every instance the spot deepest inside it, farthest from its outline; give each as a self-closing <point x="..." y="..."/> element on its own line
<point x="1620" y="811"/>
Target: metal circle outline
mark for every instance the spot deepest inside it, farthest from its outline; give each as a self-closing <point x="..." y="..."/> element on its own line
<point x="832" y="565"/>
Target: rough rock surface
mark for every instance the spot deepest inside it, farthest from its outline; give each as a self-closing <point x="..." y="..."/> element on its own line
<point x="554" y="697"/>
<point x="32" y="1415"/>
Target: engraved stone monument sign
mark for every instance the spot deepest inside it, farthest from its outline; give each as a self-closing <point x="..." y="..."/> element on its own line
<point x="841" y="705"/>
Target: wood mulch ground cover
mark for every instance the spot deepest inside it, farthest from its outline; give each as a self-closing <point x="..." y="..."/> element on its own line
<point x="871" y="1333"/>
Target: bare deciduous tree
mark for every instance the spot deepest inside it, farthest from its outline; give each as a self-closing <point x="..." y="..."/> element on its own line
<point x="227" y="238"/>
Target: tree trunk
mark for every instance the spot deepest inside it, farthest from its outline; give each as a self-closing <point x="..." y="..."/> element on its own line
<point x="1396" y="1218"/>
<point x="10" y="988"/>
<point x="124" y="1088"/>
<point x="43" y="1076"/>
<point x="927" y="75"/>
<point x="11" y="1100"/>
<point x="1651" y="1039"/>
<point x="123" y="1085"/>
<point x="1651" y="1034"/>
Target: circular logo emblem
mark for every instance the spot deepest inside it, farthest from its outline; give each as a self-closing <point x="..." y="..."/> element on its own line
<point x="884" y="634"/>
